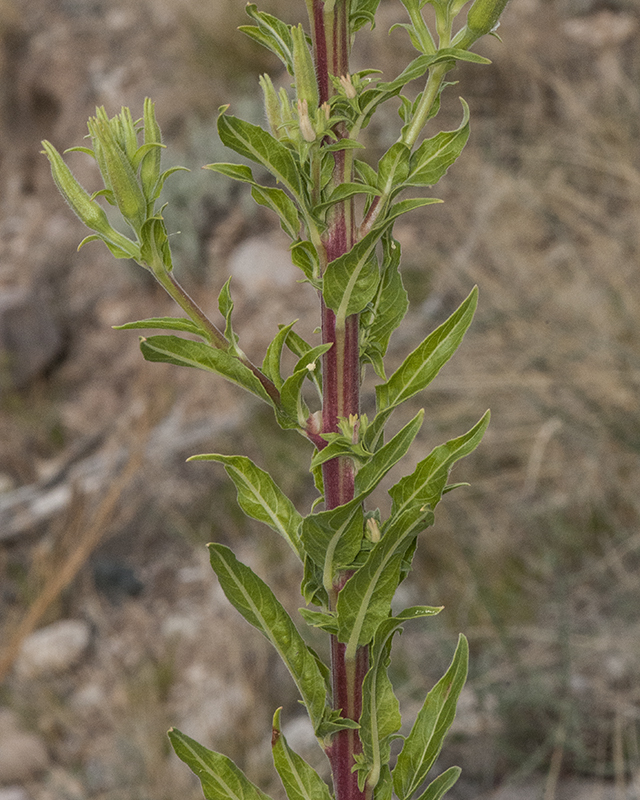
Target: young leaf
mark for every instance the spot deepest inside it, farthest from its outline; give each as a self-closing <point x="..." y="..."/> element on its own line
<point x="427" y="482"/>
<point x="260" y="497"/>
<point x="185" y="353"/>
<point x="300" y="780"/>
<point x="221" y="779"/>
<point x="422" y="365"/>
<point x="365" y="600"/>
<point x="258" y="605"/>
<point x="422" y="746"/>
<point x="225" y="306"/>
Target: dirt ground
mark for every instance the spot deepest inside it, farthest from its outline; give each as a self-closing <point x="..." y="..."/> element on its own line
<point x="103" y="524"/>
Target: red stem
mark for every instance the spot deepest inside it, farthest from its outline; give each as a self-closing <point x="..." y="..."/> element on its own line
<point x="341" y="394"/>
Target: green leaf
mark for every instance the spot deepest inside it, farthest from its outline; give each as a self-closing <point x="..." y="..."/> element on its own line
<point x="393" y="167"/>
<point x="380" y="717"/>
<point x="291" y="393"/>
<point x="258" y="605"/>
<point x="350" y="281"/>
<point x="260" y="497"/>
<point x="434" y="156"/>
<point x="361" y="13"/>
<point x="427" y="482"/>
<point x="271" y="33"/>
<point x="325" y="620"/>
<point x="386" y="311"/>
<point x="441" y="785"/>
<point x="300" y="780"/>
<point x="221" y="779"/>
<point x="365" y="600"/>
<point x="422" y="365"/>
<point x="332" y="538"/>
<point x="185" y="353"/>
<point x="305" y="256"/>
<point x="370" y="475"/>
<point x="256" y="144"/>
<point x="273" y="356"/>
<point x="346" y="190"/>
<point x="267" y="196"/>
<point x="166" y="323"/>
<point x="282" y="204"/>
<point x="422" y="746"/>
<point x="225" y="306"/>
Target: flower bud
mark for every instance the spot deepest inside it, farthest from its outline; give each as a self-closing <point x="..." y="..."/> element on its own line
<point x="306" y="128"/>
<point x="271" y="105"/>
<point x="483" y="18"/>
<point x="86" y="209"/>
<point x="303" y="70"/>
<point x="348" y="87"/>
<point x="118" y="173"/>
<point x="150" y="166"/>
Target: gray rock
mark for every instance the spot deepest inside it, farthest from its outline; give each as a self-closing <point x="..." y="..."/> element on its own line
<point x="30" y="338"/>
<point x="14" y="793"/>
<point x="53" y="649"/>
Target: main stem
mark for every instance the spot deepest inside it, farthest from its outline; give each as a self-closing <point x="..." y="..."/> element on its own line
<point x="341" y="389"/>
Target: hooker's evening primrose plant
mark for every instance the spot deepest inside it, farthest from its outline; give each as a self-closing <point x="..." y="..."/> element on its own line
<point x="352" y="559"/>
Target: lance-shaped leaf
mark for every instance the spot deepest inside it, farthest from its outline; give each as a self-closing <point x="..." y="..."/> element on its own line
<point x="345" y="190"/>
<point x="370" y="475"/>
<point x="256" y="144"/>
<point x="365" y="600"/>
<point x="380" y="717"/>
<point x="260" y="497"/>
<point x="441" y="785"/>
<point x="273" y="356"/>
<point x="300" y="780"/>
<point x="226" y="306"/>
<point x="422" y="746"/>
<point x="164" y="323"/>
<point x="332" y="539"/>
<point x="386" y="311"/>
<point x="271" y="33"/>
<point x="185" y="353"/>
<point x="251" y="596"/>
<point x="361" y="13"/>
<point x="291" y="392"/>
<point x="393" y="167"/>
<point x="427" y="482"/>
<point x="267" y="196"/>
<point x="350" y="281"/>
<point x="221" y="779"/>
<point x="434" y="156"/>
<point x="422" y="365"/>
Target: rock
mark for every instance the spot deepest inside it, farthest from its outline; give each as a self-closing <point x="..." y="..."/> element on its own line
<point x="30" y="338"/>
<point x="23" y="755"/>
<point x="53" y="649"/>
<point x="13" y="793"/>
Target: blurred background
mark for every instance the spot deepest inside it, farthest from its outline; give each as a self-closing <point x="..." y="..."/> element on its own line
<point x="112" y="627"/>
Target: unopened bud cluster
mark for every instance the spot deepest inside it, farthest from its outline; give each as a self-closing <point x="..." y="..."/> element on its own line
<point x="132" y="180"/>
